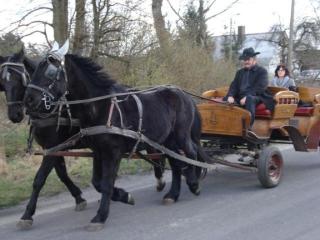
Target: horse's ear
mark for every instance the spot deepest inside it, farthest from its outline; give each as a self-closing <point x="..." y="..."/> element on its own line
<point x="64" y="49"/>
<point x="55" y="47"/>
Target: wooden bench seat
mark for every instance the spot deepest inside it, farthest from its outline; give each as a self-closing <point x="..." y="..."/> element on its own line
<point x="286" y="102"/>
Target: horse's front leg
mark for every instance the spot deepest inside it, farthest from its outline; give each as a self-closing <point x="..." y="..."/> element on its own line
<point x="26" y="220"/>
<point x="158" y="172"/>
<point x="62" y="173"/>
<point x="110" y="163"/>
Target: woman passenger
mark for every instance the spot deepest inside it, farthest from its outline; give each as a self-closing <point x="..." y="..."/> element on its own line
<point x="282" y="78"/>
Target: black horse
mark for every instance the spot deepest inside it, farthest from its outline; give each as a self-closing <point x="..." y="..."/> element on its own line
<point x="14" y="77"/>
<point x="168" y="117"/>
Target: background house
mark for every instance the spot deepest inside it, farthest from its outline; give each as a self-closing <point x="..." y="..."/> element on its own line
<point x="269" y="44"/>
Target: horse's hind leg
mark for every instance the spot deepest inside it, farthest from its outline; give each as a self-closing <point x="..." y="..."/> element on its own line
<point x="158" y="172"/>
<point x="39" y="180"/>
<point x="120" y="195"/>
<point x="174" y="192"/>
<point x="61" y="171"/>
<point x="190" y="172"/>
<point x="192" y="180"/>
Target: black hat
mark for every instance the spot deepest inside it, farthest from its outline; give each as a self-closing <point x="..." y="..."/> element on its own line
<point x="248" y="53"/>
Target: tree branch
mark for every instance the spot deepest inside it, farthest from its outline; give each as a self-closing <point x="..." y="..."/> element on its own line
<point x="172" y="8"/>
<point x="226" y="9"/>
<point x="29" y="13"/>
<point x="34" y="22"/>
<point x="210" y="5"/>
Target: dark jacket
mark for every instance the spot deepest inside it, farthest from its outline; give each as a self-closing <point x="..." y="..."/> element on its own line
<point x="254" y="82"/>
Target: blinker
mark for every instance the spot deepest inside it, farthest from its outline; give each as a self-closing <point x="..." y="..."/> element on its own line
<point x="51" y="72"/>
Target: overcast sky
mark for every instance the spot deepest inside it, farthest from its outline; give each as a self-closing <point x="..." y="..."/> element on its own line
<point x="255" y="15"/>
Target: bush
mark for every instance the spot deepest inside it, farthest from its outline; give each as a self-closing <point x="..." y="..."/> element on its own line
<point x="188" y="66"/>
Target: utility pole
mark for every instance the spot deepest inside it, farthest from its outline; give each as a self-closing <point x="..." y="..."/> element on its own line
<point x="290" y="46"/>
<point x="230" y="43"/>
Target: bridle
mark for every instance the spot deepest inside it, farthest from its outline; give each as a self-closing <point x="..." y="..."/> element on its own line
<point x="20" y="69"/>
<point x="53" y="73"/>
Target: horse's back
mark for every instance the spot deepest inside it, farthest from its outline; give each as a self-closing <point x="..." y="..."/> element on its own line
<point x="167" y="110"/>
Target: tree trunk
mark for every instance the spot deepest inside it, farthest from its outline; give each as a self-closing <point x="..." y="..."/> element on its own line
<point x="60" y="20"/>
<point x="79" y="32"/>
<point x="201" y="39"/>
<point x="96" y="30"/>
<point x="159" y="24"/>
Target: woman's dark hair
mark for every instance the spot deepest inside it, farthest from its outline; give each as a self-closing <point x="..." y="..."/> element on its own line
<point x="282" y="66"/>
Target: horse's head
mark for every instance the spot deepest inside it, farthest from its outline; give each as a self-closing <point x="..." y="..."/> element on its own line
<point x="13" y="81"/>
<point x="49" y="82"/>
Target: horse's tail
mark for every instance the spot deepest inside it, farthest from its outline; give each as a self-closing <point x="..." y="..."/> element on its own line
<point x="196" y="127"/>
<point x="202" y="156"/>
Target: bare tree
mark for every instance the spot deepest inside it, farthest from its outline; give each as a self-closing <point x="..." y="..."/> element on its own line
<point x="31" y="22"/>
<point x="279" y="38"/>
<point x="60" y="20"/>
<point x="159" y="25"/>
<point x="115" y="26"/>
<point x="200" y="18"/>
<point x="79" y="31"/>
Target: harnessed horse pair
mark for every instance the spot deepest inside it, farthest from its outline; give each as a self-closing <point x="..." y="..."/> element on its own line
<point x="14" y="78"/>
<point x="170" y="118"/>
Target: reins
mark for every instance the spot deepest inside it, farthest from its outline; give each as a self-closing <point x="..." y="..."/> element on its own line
<point x="115" y="95"/>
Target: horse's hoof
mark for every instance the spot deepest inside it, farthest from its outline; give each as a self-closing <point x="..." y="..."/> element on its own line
<point x="168" y="201"/>
<point x="24" y="224"/>
<point x="130" y="199"/>
<point x="81" y="206"/>
<point x="196" y="191"/>
<point x="161" y="186"/>
<point x="94" y="227"/>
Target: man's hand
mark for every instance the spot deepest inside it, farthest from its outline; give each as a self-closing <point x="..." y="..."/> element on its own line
<point x="243" y="101"/>
<point x="230" y="99"/>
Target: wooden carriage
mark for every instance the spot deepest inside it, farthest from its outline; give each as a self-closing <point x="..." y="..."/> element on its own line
<point x="227" y="119"/>
<point x="295" y="120"/>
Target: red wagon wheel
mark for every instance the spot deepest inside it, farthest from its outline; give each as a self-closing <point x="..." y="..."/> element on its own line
<point x="270" y="167"/>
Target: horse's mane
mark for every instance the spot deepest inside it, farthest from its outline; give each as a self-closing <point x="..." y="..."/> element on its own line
<point x="92" y="70"/>
<point x="2" y="59"/>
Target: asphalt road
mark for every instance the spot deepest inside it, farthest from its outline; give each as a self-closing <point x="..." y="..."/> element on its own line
<point x="232" y="205"/>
